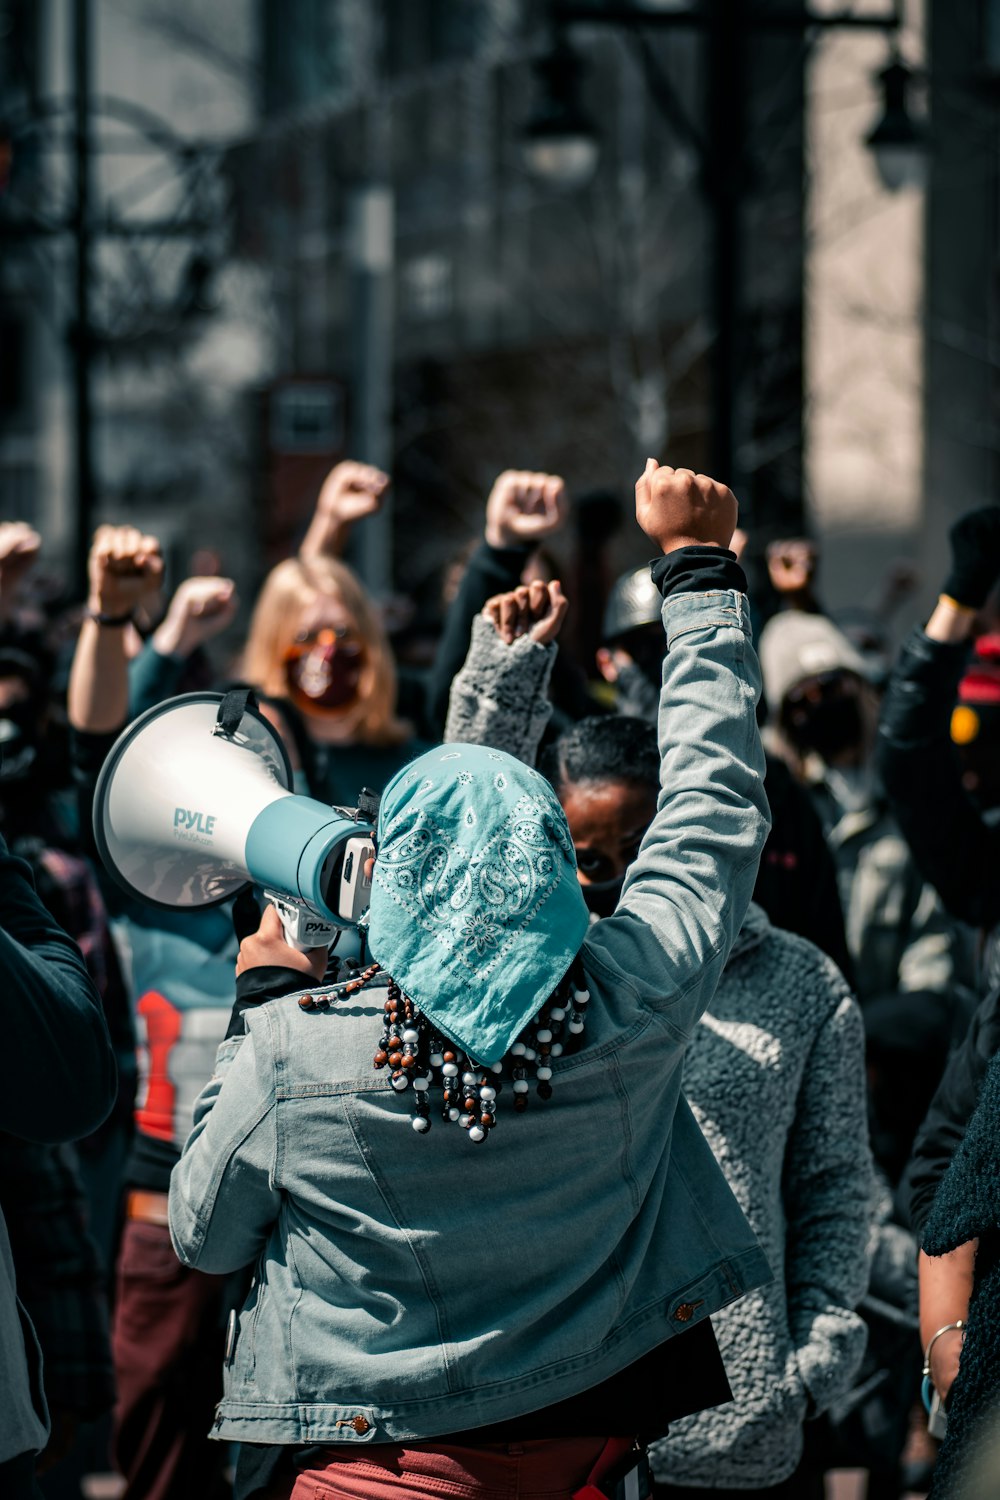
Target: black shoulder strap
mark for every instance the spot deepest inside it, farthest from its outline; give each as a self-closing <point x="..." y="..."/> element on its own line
<point x="232" y="708"/>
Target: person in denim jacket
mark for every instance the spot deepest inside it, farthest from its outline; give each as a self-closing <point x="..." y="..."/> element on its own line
<point x="419" y="1299"/>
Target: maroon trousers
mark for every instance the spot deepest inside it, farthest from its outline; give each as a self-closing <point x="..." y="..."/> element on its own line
<point x="500" y="1471"/>
<point x="167" y="1344"/>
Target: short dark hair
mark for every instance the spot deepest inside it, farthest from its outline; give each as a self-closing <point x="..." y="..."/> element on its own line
<point x="606" y="747"/>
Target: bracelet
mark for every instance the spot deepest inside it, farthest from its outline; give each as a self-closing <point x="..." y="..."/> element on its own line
<point x="962" y="609"/>
<point x="948" y="1327"/>
<point x="100" y="618"/>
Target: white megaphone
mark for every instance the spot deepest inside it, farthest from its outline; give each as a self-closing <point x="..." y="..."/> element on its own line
<point x="193" y="803"/>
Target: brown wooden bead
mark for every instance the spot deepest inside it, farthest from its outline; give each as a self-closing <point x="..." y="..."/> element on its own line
<point x="395" y="1059"/>
<point x="408" y="1061"/>
<point x="470" y="1106"/>
<point x="486" y="1121"/>
<point x="448" y="1056"/>
<point x="380" y="1059"/>
<point x="395" y="1041"/>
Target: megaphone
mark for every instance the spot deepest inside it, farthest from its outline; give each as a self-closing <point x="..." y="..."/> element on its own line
<point x="194" y="802"/>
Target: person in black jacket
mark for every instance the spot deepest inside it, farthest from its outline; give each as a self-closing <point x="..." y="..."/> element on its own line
<point x="956" y="849"/>
<point x="57" y="1082"/>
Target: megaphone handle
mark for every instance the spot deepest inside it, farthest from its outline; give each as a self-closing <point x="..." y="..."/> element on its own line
<point x="304" y="930"/>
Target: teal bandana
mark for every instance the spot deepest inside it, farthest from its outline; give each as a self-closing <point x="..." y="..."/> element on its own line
<point x="476" y="910"/>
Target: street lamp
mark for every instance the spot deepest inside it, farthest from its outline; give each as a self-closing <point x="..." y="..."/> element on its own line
<point x="898" y="142"/>
<point x="560" y="142"/>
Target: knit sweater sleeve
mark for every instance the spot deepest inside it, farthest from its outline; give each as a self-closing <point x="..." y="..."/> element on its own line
<point x="828" y="1191"/>
<point x="500" y="697"/>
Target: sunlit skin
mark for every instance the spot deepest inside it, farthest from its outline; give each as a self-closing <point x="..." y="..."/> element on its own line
<point x="607" y="821"/>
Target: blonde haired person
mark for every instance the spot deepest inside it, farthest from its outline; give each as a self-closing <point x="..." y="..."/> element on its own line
<point x="319" y="656"/>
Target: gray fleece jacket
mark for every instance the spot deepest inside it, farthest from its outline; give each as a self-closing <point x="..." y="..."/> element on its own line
<point x="775" y="1077"/>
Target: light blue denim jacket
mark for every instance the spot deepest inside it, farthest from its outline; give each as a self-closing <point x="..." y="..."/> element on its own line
<point x="408" y="1286"/>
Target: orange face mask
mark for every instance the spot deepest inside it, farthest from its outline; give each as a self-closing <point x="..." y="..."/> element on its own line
<point x="323" y="673"/>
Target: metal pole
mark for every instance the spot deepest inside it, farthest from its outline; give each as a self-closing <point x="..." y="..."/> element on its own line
<point x="726" y="115"/>
<point x="82" y="341"/>
<point x="372" y="249"/>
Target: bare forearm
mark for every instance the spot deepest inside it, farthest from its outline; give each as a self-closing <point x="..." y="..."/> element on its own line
<point x="950" y="623"/>
<point x="326" y="537"/>
<point x="98" y="683"/>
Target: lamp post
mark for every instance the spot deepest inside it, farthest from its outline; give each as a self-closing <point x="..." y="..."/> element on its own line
<point x="559" y="150"/>
<point x="897" y="142"/>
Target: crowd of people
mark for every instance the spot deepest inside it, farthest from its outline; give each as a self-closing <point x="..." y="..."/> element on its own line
<point x="725" y="936"/>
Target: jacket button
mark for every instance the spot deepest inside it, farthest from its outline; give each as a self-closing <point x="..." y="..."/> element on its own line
<point x="361" y="1425"/>
<point x="686" y="1311"/>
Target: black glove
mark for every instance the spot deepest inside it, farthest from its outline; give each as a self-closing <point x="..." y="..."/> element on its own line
<point x="975" y="557"/>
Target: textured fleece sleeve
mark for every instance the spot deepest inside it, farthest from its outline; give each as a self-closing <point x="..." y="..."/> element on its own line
<point x="828" y="1195"/>
<point x="500" y="697"/>
<point x="953" y="847"/>
<point x="222" y="1199"/>
<point x="57" y="1068"/>
<point x="685" y="897"/>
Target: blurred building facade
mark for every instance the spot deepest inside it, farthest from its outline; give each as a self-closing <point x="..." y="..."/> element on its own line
<point x="378" y="273"/>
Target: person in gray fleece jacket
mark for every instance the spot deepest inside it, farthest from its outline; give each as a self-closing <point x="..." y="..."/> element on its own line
<point x="774" y="1074"/>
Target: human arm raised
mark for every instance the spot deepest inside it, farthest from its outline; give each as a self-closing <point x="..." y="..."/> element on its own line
<point x="524" y="510"/>
<point x="686" y="895"/>
<point x="500" y="697"/>
<point x="350" y="492"/>
<point x="954" y="848"/>
<point x="124" y="569"/>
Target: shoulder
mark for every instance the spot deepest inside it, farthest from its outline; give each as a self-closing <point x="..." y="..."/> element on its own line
<point x="325" y="1046"/>
<point x="792" y="974"/>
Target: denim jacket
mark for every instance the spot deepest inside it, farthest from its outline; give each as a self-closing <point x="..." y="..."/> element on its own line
<point x="409" y="1286"/>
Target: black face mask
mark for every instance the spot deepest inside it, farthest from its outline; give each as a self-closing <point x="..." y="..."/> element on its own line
<point x="827" y="726"/>
<point x="18" y="742"/>
<point x="602" y="896"/>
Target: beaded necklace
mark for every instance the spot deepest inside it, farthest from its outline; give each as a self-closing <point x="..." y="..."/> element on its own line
<point x="419" y="1058"/>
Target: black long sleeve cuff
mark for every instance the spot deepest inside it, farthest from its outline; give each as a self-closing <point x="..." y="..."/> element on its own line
<point x="697" y="570"/>
<point x="256" y="986"/>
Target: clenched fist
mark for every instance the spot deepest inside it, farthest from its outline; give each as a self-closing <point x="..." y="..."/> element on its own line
<point x="678" y="508"/>
<point x="124" y="567"/>
<point x="536" y="609"/>
<point x="525" y="507"/>
<point x="352" y="491"/>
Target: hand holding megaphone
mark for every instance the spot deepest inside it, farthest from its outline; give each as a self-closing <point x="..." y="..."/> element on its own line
<point x="267" y="948"/>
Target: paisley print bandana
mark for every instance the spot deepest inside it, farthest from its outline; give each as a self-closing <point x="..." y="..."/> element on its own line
<point x="476" y="910"/>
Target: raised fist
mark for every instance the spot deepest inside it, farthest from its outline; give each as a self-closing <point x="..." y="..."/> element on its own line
<point x="525" y="507"/>
<point x="678" y="508"/>
<point x="975" y="557"/>
<point x="351" y="491"/>
<point x="200" y="609"/>
<point x="536" y="609"/>
<point x="791" y="565"/>
<point x="125" y="568"/>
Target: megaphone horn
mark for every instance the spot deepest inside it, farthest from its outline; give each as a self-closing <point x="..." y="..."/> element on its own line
<point x="194" y="801"/>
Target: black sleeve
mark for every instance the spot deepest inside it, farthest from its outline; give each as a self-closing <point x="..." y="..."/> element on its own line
<point x="57" y="1068"/>
<point x="797" y="879"/>
<point x="950" y="1111"/>
<point x="696" y="570"/>
<point x="954" y="850"/>
<point x="256" y="986"/>
<point x="88" y="753"/>
<point x="491" y="570"/>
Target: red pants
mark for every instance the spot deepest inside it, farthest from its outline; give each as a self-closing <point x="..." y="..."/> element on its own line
<point x="167" y="1344"/>
<point x="509" y="1471"/>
